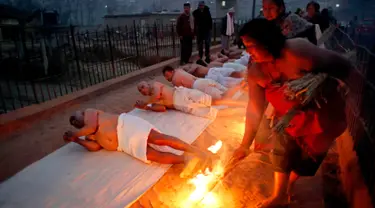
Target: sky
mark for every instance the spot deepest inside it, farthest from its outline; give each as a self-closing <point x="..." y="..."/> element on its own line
<point x="88" y="12"/>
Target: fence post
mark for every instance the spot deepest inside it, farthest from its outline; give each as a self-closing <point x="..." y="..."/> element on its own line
<point x="156" y="39"/>
<point x="136" y="41"/>
<point x="173" y="40"/>
<point x="111" y="52"/>
<point x="76" y="55"/>
<point x="214" y="28"/>
<point x="27" y="59"/>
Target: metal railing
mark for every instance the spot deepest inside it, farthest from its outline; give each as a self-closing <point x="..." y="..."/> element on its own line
<point x="40" y="64"/>
<point x="361" y="98"/>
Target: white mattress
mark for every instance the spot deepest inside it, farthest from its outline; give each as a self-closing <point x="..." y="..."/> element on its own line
<point x="73" y="177"/>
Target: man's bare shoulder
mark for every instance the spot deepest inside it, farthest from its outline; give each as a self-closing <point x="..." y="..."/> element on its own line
<point x="89" y="111"/>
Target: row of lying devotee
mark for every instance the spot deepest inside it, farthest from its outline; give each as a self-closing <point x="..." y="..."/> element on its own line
<point x="275" y="62"/>
<point x="146" y="143"/>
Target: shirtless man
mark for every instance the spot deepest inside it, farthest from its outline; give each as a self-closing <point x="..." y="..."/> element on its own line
<point x="191" y="101"/>
<point x="202" y="71"/>
<point x="219" y="57"/>
<point x="211" y="64"/>
<point x="232" y="53"/>
<point x="228" y="77"/>
<point x="181" y="78"/>
<point x="129" y="134"/>
<point x="216" y="60"/>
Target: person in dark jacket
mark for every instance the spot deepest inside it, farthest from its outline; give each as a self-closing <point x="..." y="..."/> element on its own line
<point x="202" y="28"/>
<point x="314" y="16"/>
<point x="185" y="30"/>
<point x="227" y="29"/>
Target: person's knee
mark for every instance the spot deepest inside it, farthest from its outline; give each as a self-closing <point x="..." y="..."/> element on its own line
<point x="154" y="136"/>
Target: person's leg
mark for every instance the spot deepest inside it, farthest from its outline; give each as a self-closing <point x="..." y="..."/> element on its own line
<point x="189" y="48"/>
<point x="238" y="74"/>
<point x="278" y="197"/>
<point x="207" y="43"/>
<point x="164" y="157"/>
<point x="200" y="45"/>
<point x="182" y="55"/>
<point x="223" y="43"/>
<point x="293" y="177"/>
<point x="161" y="139"/>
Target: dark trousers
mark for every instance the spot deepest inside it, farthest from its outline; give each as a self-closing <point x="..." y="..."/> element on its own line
<point x="186" y="48"/>
<point x="206" y="38"/>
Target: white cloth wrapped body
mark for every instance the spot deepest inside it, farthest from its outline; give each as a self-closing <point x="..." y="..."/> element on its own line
<point x="132" y="135"/>
<point x="237" y="67"/>
<point x="222" y="76"/>
<point x="210" y="87"/>
<point x="193" y="102"/>
<point x="243" y="60"/>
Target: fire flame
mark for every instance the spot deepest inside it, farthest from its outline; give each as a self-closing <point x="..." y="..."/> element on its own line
<point x="204" y="179"/>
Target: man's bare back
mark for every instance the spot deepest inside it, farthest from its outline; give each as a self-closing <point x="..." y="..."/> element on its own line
<point x="183" y="79"/>
<point x="159" y="93"/>
<point x="97" y="126"/>
<point x="196" y="70"/>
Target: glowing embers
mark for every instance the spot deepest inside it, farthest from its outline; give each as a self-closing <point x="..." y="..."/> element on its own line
<point x="204" y="181"/>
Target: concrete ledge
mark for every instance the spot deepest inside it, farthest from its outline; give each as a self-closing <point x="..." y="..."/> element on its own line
<point x="18" y="118"/>
<point x="351" y="177"/>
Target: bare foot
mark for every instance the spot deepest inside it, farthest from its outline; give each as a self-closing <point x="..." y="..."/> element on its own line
<point x="195" y="163"/>
<point x="273" y="202"/>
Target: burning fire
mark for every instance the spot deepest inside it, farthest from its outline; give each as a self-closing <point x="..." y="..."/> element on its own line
<point x="202" y="194"/>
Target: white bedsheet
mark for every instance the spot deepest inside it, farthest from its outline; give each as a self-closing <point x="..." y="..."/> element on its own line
<point x="72" y="177"/>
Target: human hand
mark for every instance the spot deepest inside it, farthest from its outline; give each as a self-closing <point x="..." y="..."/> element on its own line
<point x="140" y="104"/>
<point x="240" y="153"/>
<point x="69" y="136"/>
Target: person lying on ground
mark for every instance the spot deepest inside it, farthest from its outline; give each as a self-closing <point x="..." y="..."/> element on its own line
<point x="219" y="57"/>
<point x="181" y="78"/>
<point x="132" y="135"/>
<point x="301" y="147"/>
<point x="191" y="101"/>
<point x="210" y="65"/>
<point x="243" y="60"/>
<point x="232" y="53"/>
<point x="228" y="77"/>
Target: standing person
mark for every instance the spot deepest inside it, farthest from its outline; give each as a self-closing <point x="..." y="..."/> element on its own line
<point x="227" y="29"/>
<point x="203" y="27"/>
<point x="304" y="144"/>
<point x="185" y="30"/>
<point x="314" y="16"/>
<point x="292" y="25"/>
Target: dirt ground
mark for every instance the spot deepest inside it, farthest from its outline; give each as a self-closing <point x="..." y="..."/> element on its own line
<point x="249" y="183"/>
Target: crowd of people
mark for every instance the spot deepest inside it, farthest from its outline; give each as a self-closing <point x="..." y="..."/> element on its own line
<point x="280" y="48"/>
<point x="198" y="24"/>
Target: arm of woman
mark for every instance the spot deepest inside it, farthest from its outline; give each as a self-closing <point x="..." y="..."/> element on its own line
<point x="254" y="112"/>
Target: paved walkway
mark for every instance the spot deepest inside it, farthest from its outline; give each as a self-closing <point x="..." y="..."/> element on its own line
<point x="247" y="185"/>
